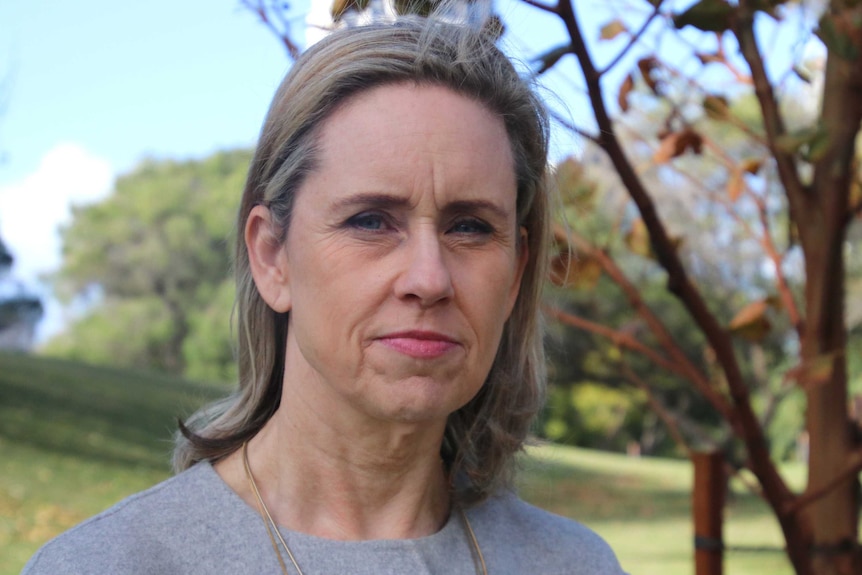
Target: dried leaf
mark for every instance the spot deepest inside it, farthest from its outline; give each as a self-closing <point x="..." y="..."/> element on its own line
<point x="706" y="15"/>
<point x="735" y="184"/>
<point x="340" y="7"/>
<point x="575" y="188"/>
<point x="813" y="372"/>
<point x="716" y="107"/>
<point x="637" y="239"/>
<point x="709" y="58"/>
<point x="676" y="144"/>
<point x="574" y="271"/>
<point x="751" y="165"/>
<point x="751" y="322"/>
<point x="548" y="59"/>
<point x="812" y="143"/>
<point x="646" y="67"/>
<point x="494" y="27"/>
<point x="612" y="29"/>
<point x="625" y="89"/>
<point x="802" y="74"/>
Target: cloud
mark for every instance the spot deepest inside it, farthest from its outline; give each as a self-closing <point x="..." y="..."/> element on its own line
<point x="33" y="209"/>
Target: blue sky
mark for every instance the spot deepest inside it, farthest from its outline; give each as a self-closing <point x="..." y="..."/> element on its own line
<point x="91" y="87"/>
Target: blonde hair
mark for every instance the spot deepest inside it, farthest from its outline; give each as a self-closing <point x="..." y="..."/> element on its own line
<point x="483" y="436"/>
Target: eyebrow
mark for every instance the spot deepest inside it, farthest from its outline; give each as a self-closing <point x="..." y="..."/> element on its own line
<point x="381" y="200"/>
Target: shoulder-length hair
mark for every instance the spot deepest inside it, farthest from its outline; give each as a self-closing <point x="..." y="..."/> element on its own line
<point x="482" y="437"/>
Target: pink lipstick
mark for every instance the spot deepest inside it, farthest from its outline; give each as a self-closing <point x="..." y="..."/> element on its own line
<point x="419" y="344"/>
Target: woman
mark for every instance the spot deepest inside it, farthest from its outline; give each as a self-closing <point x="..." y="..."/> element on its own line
<point x="392" y="246"/>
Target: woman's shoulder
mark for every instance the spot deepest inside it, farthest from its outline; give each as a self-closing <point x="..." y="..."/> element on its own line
<point x="552" y="543"/>
<point x="136" y="534"/>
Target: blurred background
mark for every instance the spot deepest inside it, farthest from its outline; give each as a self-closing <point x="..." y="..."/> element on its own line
<point x="692" y="215"/>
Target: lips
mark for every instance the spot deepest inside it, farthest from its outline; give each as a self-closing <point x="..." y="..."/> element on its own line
<point x="419" y="344"/>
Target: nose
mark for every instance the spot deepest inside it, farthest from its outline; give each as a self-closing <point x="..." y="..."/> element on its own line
<point x="425" y="277"/>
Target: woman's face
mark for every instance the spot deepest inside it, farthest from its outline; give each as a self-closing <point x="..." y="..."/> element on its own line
<point x="403" y="260"/>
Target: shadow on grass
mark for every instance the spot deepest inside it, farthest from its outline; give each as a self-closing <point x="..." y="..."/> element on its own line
<point x="592" y="495"/>
<point x="112" y="416"/>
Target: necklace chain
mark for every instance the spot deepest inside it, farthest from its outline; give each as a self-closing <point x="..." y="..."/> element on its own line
<point x="269" y="523"/>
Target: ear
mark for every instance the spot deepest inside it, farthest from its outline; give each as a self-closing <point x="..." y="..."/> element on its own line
<point x="267" y="259"/>
<point x="521" y="264"/>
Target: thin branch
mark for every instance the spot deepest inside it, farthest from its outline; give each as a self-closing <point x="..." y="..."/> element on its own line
<point x="659" y="408"/>
<point x="260" y="9"/>
<point x="572" y="128"/>
<point x="618" y="338"/>
<point x="633" y="40"/>
<point x="678" y="281"/>
<point x="544" y="7"/>
<point x="773" y="122"/>
<point x="666" y="340"/>
<point x="772" y="251"/>
<point x="851" y="468"/>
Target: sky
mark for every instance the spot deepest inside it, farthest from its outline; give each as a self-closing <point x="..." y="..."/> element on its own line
<point x="90" y="88"/>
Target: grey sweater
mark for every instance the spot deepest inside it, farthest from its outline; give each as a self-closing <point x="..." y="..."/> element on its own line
<point x="194" y="523"/>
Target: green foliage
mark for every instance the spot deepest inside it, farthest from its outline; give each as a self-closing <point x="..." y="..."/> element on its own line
<point x="156" y="255"/>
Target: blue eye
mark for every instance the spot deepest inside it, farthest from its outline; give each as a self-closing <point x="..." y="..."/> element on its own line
<point x="471" y="226"/>
<point x="367" y="221"/>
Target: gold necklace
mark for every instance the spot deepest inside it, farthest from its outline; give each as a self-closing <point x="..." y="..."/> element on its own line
<point x="269" y="523"/>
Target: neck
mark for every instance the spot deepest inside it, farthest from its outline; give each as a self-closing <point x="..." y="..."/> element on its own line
<point x="330" y="476"/>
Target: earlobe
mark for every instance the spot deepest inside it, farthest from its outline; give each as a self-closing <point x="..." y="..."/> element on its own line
<point x="267" y="259"/>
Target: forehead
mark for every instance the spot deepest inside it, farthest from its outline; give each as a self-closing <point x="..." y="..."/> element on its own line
<point x="408" y="137"/>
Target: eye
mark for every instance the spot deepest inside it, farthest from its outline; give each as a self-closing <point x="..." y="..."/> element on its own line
<point x="471" y="226"/>
<point x="368" y="221"/>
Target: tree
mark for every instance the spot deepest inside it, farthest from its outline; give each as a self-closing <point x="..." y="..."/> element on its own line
<point x="20" y="310"/>
<point x="809" y="168"/>
<point x="152" y="263"/>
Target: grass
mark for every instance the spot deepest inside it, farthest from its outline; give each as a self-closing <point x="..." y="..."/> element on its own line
<point x="74" y="439"/>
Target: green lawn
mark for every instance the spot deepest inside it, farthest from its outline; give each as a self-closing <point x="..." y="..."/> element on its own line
<point x="74" y="439"/>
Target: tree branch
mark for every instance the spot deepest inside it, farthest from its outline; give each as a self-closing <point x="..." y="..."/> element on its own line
<point x="572" y="128"/>
<point x="659" y="408"/>
<point x="633" y="40"/>
<point x="772" y="120"/>
<point x="681" y="362"/>
<point x="678" y="282"/>
<point x="542" y="6"/>
<point x="851" y="468"/>
<point x="259" y="8"/>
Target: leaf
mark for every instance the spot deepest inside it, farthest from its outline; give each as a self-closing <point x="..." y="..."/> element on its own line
<point x="676" y="144"/>
<point x="751" y="322"/>
<point x="811" y="143"/>
<point x="836" y="37"/>
<point x="637" y="239"/>
<point x="612" y="29"/>
<point x="813" y="372"/>
<point x="646" y="66"/>
<point x="709" y="58"/>
<point x="578" y="271"/>
<point x="706" y="15"/>
<point x="736" y="181"/>
<point x="716" y="107"/>
<point x="751" y="165"/>
<point x="625" y="89"/>
<point x="802" y="73"/>
<point x="574" y="187"/>
<point x="494" y="27"/>
<point x="735" y="184"/>
<point x="340" y="7"/>
<point x="551" y="57"/>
